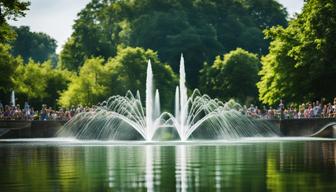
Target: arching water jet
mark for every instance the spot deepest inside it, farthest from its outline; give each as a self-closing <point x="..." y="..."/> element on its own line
<point x="196" y="117"/>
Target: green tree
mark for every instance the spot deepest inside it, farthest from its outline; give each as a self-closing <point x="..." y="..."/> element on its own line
<point x="10" y="9"/>
<point x="200" y="29"/>
<point x="95" y="34"/>
<point x="57" y="81"/>
<point x="301" y="63"/>
<point x="38" y="46"/>
<point x="71" y="56"/>
<point x="31" y="80"/>
<point x="97" y="80"/>
<point x="127" y="71"/>
<point x="40" y="83"/>
<point x="8" y="65"/>
<point x="266" y="13"/>
<point x="234" y="76"/>
<point x="89" y="87"/>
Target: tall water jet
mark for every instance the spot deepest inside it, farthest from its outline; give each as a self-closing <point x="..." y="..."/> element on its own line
<point x="149" y="101"/>
<point x="157" y="107"/>
<point x="177" y="104"/>
<point x="13" y="98"/>
<point x="183" y="98"/>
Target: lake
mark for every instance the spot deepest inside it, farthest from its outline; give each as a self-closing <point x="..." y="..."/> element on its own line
<point x="243" y="165"/>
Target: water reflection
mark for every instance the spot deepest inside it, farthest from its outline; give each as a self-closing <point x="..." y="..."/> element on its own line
<point x="181" y="168"/>
<point x="149" y="168"/>
<point x="282" y="166"/>
<point x="308" y="166"/>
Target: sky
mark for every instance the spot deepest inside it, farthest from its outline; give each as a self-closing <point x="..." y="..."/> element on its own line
<point x="56" y="17"/>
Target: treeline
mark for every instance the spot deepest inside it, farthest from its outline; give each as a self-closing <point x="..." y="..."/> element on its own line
<point x="244" y="50"/>
<point x="301" y="64"/>
<point x="200" y="30"/>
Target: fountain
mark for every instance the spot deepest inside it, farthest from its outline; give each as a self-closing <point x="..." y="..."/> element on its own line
<point x="196" y="117"/>
<point x="13" y="98"/>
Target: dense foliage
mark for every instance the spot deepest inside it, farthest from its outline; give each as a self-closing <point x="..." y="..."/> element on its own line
<point x="233" y="76"/>
<point x="32" y="45"/>
<point x="200" y="29"/>
<point x="112" y="41"/>
<point x="8" y="65"/>
<point x="40" y="83"/>
<point x="10" y="9"/>
<point x="301" y="63"/>
<point x="88" y="87"/>
<point x="98" y="79"/>
<point x="33" y="82"/>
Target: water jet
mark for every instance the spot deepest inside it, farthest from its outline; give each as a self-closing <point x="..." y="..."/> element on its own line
<point x="195" y="117"/>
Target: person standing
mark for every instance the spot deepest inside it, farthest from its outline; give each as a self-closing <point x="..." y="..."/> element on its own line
<point x="282" y="109"/>
<point x="26" y="110"/>
<point x="44" y="113"/>
<point x="1" y="107"/>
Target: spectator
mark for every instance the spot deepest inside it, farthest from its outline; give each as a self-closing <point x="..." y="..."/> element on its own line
<point x="282" y="109"/>
<point x="1" y="107"/>
<point x="44" y="113"/>
<point x="309" y="110"/>
<point x="317" y="109"/>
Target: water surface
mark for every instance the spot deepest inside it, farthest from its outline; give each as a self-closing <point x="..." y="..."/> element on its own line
<point x="266" y="165"/>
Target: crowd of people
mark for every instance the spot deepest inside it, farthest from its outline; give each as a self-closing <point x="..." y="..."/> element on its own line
<point x="15" y="112"/>
<point x="315" y="109"/>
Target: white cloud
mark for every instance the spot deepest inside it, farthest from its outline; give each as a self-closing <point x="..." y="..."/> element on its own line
<point x="293" y="6"/>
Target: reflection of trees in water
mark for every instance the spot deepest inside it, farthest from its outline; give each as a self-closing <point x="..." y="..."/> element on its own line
<point x="279" y="166"/>
<point x="229" y="167"/>
<point x="301" y="165"/>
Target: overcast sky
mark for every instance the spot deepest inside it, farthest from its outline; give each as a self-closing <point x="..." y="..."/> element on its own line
<point x="55" y="17"/>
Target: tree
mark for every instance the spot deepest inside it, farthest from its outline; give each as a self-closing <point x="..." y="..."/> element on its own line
<point x="8" y="65"/>
<point x="266" y="13"/>
<point x="40" y="83"/>
<point x="31" y="80"/>
<point x="57" y="81"/>
<point x="300" y="65"/>
<point x="97" y="79"/>
<point x="89" y="87"/>
<point x="10" y="9"/>
<point x="94" y="35"/>
<point x="127" y="71"/>
<point x="38" y="46"/>
<point x="71" y="57"/>
<point x="199" y="29"/>
<point x="234" y="76"/>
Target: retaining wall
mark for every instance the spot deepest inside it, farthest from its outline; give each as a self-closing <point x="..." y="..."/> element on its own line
<point x="29" y="129"/>
<point x="288" y="127"/>
<point x="304" y="127"/>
